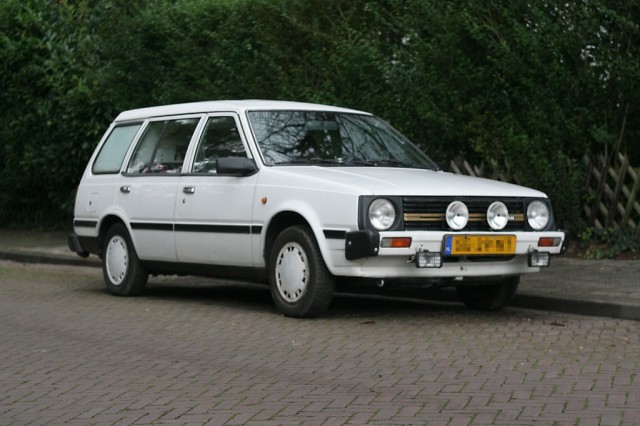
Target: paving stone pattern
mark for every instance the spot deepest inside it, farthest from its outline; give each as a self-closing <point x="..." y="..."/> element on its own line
<point x="194" y="351"/>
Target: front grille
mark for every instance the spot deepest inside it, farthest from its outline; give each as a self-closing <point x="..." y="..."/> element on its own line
<point x="428" y="213"/>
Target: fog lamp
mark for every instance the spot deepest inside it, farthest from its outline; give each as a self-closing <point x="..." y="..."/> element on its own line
<point x="539" y="259"/>
<point x="497" y="216"/>
<point x="428" y="259"/>
<point x="457" y="215"/>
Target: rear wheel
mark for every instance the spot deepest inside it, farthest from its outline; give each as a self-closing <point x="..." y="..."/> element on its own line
<point x="492" y="296"/>
<point x="123" y="273"/>
<point x="301" y="285"/>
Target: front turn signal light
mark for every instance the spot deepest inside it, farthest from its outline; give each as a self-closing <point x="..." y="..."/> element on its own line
<point x="549" y="241"/>
<point x="396" y="242"/>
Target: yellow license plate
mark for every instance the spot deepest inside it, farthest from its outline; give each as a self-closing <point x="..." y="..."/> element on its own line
<point x="474" y="245"/>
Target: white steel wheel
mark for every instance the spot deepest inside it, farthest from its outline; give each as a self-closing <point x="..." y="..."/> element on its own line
<point x="301" y="285"/>
<point x="292" y="272"/>
<point x="116" y="259"/>
<point x="123" y="273"/>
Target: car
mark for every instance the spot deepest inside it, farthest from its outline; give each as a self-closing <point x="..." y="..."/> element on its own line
<point x="306" y="198"/>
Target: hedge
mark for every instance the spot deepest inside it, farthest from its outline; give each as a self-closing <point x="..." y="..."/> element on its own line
<point x="532" y="86"/>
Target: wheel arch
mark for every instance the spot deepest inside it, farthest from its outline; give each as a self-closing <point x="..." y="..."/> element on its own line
<point x="106" y="223"/>
<point x="279" y="223"/>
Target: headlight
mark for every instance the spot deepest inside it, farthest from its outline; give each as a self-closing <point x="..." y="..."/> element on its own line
<point x="382" y="214"/>
<point x="497" y="216"/>
<point x="538" y="215"/>
<point x="457" y="215"/>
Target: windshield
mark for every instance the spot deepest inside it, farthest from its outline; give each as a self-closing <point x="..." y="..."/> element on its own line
<point x="333" y="139"/>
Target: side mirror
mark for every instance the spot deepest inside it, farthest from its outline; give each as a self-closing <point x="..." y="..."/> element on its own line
<point x="236" y="166"/>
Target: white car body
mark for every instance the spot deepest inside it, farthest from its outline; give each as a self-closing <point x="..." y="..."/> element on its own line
<point x="190" y="222"/>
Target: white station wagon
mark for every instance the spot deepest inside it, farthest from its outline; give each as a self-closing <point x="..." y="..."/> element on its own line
<point x="303" y="197"/>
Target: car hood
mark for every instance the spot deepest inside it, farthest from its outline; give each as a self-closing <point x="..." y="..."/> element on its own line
<point x="396" y="181"/>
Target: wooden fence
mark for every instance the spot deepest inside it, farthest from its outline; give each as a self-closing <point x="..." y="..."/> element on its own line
<point x="612" y="188"/>
<point x="612" y="192"/>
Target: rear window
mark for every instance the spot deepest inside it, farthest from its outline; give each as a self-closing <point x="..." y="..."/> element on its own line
<point x="111" y="155"/>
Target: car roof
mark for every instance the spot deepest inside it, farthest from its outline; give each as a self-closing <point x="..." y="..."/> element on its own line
<point x="238" y="106"/>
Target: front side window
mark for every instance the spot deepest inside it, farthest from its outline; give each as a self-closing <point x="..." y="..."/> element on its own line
<point x="111" y="155"/>
<point x="332" y="138"/>
<point x="220" y="139"/>
<point x="163" y="147"/>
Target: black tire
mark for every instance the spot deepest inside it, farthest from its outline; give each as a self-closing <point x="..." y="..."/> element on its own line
<point x="493" y="296"/>
<point x="121" y="268"/>
<point x="301" y="285"/>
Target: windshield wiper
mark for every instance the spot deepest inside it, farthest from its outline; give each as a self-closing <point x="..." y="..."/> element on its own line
<point x="313" y="160"/>
<point x="381" y="163"/>
<point x="395" y="163"/>
<point x="358" y="162"/>
<point x="352" y="162"/>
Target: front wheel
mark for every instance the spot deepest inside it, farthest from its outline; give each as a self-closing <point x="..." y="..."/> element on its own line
<point x="493" y="296"/>
<point x="301" y="285"/>
<point x="123" y="273"/>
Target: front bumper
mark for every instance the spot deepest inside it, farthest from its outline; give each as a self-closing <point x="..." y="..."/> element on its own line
<point x="361" y="244"/>
<point x="365" y="256"/>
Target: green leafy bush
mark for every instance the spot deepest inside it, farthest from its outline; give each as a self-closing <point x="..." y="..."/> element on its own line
<point x="51" y="114"/>
<point x="532" y="85"/>
<point x="609" y="243"/>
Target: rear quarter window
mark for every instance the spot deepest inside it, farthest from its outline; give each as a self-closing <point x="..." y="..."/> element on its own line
<point x="113" y="151"/>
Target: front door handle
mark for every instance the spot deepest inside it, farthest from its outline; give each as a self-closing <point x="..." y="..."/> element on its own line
<point x="189" y="189"/>
<point x="125" y="189"/>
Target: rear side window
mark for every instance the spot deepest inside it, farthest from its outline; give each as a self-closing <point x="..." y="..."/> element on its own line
<point x="163" y="147"/>
<point x="111" y="155"/>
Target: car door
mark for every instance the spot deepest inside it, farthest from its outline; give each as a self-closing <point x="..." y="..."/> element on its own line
<point x="213" y="211"/>
<point x="147" y="189"/>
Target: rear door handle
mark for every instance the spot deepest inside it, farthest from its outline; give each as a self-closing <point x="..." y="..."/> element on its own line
<point x="125" y="189"/>
<point x="189" y="189"/>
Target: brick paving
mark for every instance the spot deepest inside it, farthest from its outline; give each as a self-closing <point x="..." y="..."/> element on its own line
<point x="607" y="288"/>
<point x="194" y="351"/>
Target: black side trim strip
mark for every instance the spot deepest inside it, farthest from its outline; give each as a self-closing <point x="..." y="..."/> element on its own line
<point x="186" y="227"/>
<point x="224" y="229"/>
<point x="143" y="226"/>
<point x="85" y="223"/>
<point x="334" y="235"/>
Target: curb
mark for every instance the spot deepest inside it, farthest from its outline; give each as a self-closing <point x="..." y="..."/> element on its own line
<point x="581" y="307"/>
<point x="521" y="300"/>
<point x="48" y="259"/>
